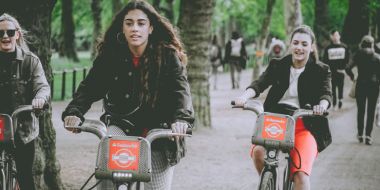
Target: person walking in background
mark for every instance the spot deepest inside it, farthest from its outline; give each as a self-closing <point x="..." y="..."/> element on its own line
<point x="296" y="81"/>
<point x="236" y="56"/>
<point x="22" y="82"/>
<point x="215" y="57"/>
<point x="337" y="56"/>
<point x="140" y="73"/>
<point x="276" y="49"/>
<point x="367" y="86"/>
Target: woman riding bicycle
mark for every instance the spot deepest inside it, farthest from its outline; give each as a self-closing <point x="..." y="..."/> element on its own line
<point x="297" y="80"/>
<point x="140" y="74"/>
<point x="22" y="82"/>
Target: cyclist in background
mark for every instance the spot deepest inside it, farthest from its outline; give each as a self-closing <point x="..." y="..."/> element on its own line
<point x="296" y="80"/>
<point x="22" y="82"/>
<point x="140" y="73"/>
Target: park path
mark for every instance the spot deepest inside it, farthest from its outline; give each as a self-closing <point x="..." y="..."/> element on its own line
<point x="218" y="158"/>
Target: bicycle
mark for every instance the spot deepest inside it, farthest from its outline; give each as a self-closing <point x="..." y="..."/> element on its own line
<point x="8" y="126"/>
<point x="275" y="132"/>
<point x="123" y="162"/>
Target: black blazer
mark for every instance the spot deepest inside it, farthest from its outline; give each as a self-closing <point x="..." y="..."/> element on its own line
<point x="314" y="84"/>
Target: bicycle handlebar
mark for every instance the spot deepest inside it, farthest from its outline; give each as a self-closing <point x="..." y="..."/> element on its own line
<point x="99" y="129"/>
<point x="25" y="108"/>
<point x="257" y="107"/>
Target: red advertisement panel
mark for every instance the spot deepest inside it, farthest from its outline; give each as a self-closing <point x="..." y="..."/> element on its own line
<point x="2" y="128"/>
<point x="124" y="155"/>
<point x="274" y="127"/>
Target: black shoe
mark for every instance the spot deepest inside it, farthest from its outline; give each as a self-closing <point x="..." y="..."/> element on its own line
<point x="368" y="140"/>
<point x="360" y="138"/>
<point x="340" y="104"/>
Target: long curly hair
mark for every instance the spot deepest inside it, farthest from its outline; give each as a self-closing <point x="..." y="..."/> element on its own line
<point x="163" y="34"/>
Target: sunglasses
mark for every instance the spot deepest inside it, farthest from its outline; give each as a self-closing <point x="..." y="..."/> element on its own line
<point x="10" y="33"/>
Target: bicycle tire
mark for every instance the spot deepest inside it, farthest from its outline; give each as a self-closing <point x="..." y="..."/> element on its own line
<point x="267" y="181"/>
<point x="287" y="183"/>
<point x="12" y="183"/>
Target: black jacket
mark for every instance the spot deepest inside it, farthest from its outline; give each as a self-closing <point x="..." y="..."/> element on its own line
<point x="114" y="79"/>
<point x="368" y="64"/>
<point x="314" y="84"/>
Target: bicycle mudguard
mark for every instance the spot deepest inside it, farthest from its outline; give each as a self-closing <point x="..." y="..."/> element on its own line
<point x="274" y="130"/>
<point x="6" y="130"/>
<point x="124" y="159"/>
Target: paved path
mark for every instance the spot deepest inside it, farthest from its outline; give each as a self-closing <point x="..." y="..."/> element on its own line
<point x="218" y="158"/>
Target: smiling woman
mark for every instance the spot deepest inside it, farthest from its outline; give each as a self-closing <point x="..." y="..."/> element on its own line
<point x="297" y="80"/>
<point x="140" y="73"/>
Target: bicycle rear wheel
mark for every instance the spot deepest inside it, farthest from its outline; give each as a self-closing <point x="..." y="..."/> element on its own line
<point x="267" y="181"/>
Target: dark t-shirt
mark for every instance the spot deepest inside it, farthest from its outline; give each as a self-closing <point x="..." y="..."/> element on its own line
<point x="336" y="56"/>
<point x="5" y="79"/>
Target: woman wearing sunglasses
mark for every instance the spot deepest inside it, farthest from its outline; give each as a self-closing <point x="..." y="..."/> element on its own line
<point x="22" y="82"/>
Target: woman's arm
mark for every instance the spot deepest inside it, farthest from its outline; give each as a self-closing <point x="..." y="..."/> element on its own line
<point x="90" y="90"/>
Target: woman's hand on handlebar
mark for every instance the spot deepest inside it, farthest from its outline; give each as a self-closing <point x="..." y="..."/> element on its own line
<point x="241" y="100"/>
<point x="321" y="109"/>
<point x="38" y="103"/>
<point x="179" y="127"/>
<point x="71" y="123"/>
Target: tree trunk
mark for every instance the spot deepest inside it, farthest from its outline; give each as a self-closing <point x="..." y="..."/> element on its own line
<point x="321" y="23"/>
<point x="35" y="17"/>
<point x="170" y="10"/>
<point x="195" y="22"/>
<point x="156" y="4"/>
<point x="67" y="47"/>
<point x="356" y="24"/>
<point x="116" y="6"/>
<point x="96" y="16"/>
<point x="261" y="42"/>
<point x="293" y="15"/>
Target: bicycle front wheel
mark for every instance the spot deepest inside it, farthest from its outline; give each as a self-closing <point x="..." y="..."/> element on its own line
<point x="267" y="181"/>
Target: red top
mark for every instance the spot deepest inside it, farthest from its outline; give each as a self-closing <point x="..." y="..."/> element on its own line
<point x="135" y="61"/>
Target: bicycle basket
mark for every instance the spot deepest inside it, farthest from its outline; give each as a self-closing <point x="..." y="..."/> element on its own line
<point x="124" y="159"/>
<point x="6" y="130"/>
<point x="274" y="131"/>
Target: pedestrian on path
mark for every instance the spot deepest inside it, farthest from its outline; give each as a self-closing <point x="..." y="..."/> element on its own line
<point x="215" y="57"/>
<point x="236" y="56"/>
<point x="22" y="82"/>
<point x="140" y="73"/>
<point x="367" y="62"/>
<point x="337" y="56"/>
<point x="296" y="81"/>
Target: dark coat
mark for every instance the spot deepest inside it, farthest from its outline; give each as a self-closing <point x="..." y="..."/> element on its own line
<point x="314" y="84"/>
<point x="27" y="82"/>
<point x="114" y="79"/>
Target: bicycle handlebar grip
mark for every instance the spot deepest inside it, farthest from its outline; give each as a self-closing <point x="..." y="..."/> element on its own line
<point x="233" y="102"/>
<point x="189" y="131"/>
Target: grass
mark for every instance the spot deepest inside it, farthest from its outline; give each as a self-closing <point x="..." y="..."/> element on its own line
<point x="60" y="65"/>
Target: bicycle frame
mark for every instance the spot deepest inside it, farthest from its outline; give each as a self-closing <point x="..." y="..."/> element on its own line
<point x="123" y="160"/>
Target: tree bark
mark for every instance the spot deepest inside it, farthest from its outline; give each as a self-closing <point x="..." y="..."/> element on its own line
<point x="261" y="42"/>
<point x="195" y="22"/>
<point x="116" y="6"/>
<point x="321" y="23"/>
<point x="293" y="15"/>
<point x="96" y="16"/>
<point x="67" y="47"/>
<point x="356" y="23"/>
<point x="35" y="17"/>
